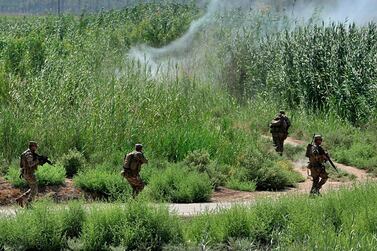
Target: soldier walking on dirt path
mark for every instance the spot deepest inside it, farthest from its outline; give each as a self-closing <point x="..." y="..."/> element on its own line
<point x="28" y="165"/>
<point x="279" y="129"/>
<point x="131" y="169"/>
<point x="317" y="157"/>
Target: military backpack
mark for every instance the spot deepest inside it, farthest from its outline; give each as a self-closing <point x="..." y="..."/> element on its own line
<point x="127" y="161"/>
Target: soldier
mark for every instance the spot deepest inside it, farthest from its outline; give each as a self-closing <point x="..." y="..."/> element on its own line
<point x="317" y="157"/>
<point x="279" y="130"/>
<point x="29" y="164"/>
<point x="131" y="169"/>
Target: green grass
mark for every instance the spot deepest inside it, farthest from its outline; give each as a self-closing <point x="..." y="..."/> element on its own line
<point x="341" y="176"/>
<point x="346" y="144"/>
<point x="241" y="185"/>
<point x="341" y="220"/>
<point x="42" y="228"/>
<point x="83" y="93"/>
<point x="103" y="184"/>
<point x="133" y="226"/>
<point x="177" y="184"/>
<point x="46" y="176"/>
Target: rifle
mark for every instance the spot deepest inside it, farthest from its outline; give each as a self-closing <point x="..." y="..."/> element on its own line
<point x="43" y="159"/>
<point x="331" y="163"/>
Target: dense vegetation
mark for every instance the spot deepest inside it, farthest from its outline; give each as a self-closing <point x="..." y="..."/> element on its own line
<point x="66" y="81"/>
<point x="341" y="220"/>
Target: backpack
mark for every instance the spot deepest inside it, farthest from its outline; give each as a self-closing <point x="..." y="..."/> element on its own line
<point x="309" y="150"/>
<point x="277" y="122"/>
<point x="127" y="161"/>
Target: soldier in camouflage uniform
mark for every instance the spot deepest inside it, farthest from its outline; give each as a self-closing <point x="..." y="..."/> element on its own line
<point x="279" y="130"/>
<point x="317" y="157"/>
<point x="29" y="164"/>
<point x="131" y="169"/>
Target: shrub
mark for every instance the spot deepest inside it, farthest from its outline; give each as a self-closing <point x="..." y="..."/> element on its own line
<point x="267" y="172"/>
<point x="73" y="219"/>
<point x="102" y="183"/>
<point x="236" y="184"/>
<point x="133" y="226"/>
<point x="199" y="161"/>
<point x="177" y="184"/>
<point x="361" y="154"/>
<point x="40" y="228"/>
<point x="73" y="161"/>
<point x="46" y="176"/>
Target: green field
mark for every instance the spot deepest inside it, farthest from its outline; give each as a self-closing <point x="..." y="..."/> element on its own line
<point x="341" y="220"/>
<point x="69" y="83"/>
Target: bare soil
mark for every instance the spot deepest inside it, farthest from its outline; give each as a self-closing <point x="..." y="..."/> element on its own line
<point x="68" y="191"/>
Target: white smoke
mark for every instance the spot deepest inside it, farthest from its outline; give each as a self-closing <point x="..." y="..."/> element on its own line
<point x="358" y="11"/>
<point x="181" y="54"/>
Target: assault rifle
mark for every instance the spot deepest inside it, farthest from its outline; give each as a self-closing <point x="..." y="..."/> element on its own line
<point x="42" y="159"/>
<point x="330" y="161"/>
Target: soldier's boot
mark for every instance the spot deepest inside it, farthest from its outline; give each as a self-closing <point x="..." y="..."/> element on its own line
<point x="321" y="183"/>
<point x="20" y="201"/>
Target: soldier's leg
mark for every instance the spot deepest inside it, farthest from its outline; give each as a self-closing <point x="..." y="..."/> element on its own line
<point x="315" y="175"/>
<point x="139" y="185"/>
<point x="280" y="146"/>
<point x="33" y="191"/>
<point x="136" y="184"/>
<point x="275" y="141"/>
<point x="324" y="177"/>
<point x="23" y="198"/>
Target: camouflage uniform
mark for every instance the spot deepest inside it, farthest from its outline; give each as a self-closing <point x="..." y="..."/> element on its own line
<point x="317" y="168"/>
<point x="279" y="130"/>
<point x="28" y="164"/>
<point x="131" y="173"/>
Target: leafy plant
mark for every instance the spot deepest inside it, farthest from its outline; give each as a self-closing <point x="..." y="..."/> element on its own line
<point x="73" y="162"/>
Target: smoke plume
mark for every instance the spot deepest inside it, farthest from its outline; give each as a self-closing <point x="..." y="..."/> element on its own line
<point x="181" y="51"/>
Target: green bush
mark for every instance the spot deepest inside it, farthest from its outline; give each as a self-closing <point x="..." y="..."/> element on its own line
<point x="46" y="176"/>
<point x="73" y="162"/>
<point x="361" y="154"/>
<point x="236" y="184"/>
<point x="269" y="173"/>
<point x="132" y="226"/>
<point x="199" y="161"/>
<point x="177" y="184"/>
<point x="103" y="183"/>
<point x="43" y="227"/>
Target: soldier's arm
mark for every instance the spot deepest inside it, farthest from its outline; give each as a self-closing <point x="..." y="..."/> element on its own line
<point x="140" y="157"/>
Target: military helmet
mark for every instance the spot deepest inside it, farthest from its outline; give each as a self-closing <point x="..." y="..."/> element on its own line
<point x="317" y="136"/>
<point x="138" y="147"/>
<point x="33" y="143"/>
<point x="282" y="112"/>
